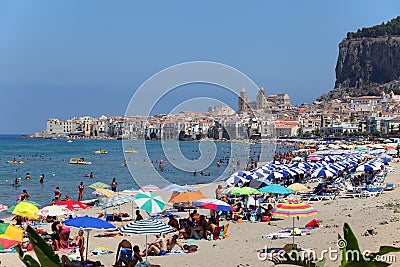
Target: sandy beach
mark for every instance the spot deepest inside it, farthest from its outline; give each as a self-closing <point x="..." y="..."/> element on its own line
<point x="240" y="249"/>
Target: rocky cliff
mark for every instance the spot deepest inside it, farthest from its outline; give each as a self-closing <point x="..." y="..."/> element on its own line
<point x="368" y="63"/>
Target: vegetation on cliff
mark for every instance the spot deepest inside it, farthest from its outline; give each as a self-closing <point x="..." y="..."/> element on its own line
<point x="391" y="28"/>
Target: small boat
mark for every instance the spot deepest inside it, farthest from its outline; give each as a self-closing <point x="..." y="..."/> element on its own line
<point x="79" y="161"/>
<point x="130" y="150"/>
<point x="69" y="141"/>
<point x="15" y="162"/>
<point x="100" y="151"/>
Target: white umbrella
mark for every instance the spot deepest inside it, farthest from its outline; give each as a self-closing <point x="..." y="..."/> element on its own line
<point x="55" y="211"/>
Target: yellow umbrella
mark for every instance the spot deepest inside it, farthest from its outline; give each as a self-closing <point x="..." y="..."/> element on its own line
<point x="296" y="187"/>
<point x="25" y="209"/>
<point x="105" y="192"/>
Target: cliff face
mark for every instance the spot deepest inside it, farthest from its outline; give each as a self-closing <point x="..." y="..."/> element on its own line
<point x="366" y="66"/>
<point x="367" y="61"/>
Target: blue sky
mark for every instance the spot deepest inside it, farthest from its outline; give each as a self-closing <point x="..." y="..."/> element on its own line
<point x="73" y="58"/>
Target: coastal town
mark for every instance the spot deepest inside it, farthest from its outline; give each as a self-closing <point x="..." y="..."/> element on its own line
<point x="268" y="116"/>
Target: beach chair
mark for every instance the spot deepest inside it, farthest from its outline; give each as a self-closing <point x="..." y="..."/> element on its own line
<point x="225" y="231"/>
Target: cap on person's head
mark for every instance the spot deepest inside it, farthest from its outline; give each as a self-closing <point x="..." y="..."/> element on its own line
<point x="57" y="187"/>
<point x="24" y="191"/>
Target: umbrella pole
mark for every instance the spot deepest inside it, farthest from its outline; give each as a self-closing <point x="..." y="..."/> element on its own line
<point x="146" y="250"/>
<point x="87" y="247"/>
<point x="293" y="234"/>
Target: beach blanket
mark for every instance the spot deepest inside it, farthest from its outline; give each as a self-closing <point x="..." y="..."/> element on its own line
<point x="100" y="251"/>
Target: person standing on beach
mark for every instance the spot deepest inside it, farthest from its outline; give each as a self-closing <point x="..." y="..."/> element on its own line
<point x="218" y="192"/>
<point x="57" y="194"/>
<point x="81" y="189"/>
<point x="114" y="185"/>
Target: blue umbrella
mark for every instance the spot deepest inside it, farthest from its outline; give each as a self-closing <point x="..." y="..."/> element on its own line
<point x="276" y="189"/>
<point x="89" y="223"/>
<point x="322" y="173"/>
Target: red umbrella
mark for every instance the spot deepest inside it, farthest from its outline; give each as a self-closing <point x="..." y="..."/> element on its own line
<point x="73" y="205"/>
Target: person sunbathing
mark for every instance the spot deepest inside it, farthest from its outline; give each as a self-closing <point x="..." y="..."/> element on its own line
<point x="172" y="242"/>
<point x="158" y="247"/>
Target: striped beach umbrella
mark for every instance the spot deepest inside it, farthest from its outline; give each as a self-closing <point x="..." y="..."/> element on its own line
<point x="274" y="175"/>
<point x="322" y="173"/>
<point x="150" y="202"/>
<point x="146" y="227"/>
<point x="294" y="208"/>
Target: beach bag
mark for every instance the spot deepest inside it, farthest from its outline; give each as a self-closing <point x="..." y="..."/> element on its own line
<point x="266" y="218"/>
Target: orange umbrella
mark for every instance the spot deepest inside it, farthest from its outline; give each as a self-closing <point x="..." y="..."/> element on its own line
<point x="186" y="197"/>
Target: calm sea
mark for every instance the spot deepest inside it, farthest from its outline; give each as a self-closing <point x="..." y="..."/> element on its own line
<point x="51" y="158"/>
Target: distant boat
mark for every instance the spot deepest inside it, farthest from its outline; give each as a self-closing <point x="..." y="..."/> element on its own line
<point x="100" y="151"/>
<point x="130" y="150"/>
<point x="79" y="161"/>
<point x="15" y="162"/>
<point x="69" y="141"/>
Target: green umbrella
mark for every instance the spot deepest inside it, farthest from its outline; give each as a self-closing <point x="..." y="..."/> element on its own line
<point x="150" y="202"/>
<point x="245" y="191"/>
<point x="99" y="185"/>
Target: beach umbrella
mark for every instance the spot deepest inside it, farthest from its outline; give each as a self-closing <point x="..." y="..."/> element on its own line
<point x="245" y="191"/>
<point x="146" y="227"/>
<point x="294" y="208"/>
<point x="258" y="183"/>
<point x="55" y="210"/>
<point x="10" y="235"/>
<point x="187" y="197"/>
<point x="150" y="202"/>
<point x="213" y="204"/>
<point x="150" y="188"/>
<point x="118" y="200"/>
<point x="366" y="167"/>
<point x="98" y="185"/>
<point x="24" y="209"/>
<point x="89" y="223"/>
<point x="322" y="173"/>
<point x="276" y="189"/>
<point x="287" y="173"/>
<point x="296" y="187"/>
<point x="3" y="207"/>
<point x="234" y="179"/>
<point x="105" y="192"/>
<point x="73" y="205"/>
<point x="131" y="191"/>
<point x="175" y="188"/>
<point x="274" y="175"/>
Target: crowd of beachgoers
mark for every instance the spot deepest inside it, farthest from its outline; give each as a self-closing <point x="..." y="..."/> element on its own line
<point x="312" y="174"/>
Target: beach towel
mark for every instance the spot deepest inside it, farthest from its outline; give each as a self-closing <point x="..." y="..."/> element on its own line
<point x="100" y="251"/>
